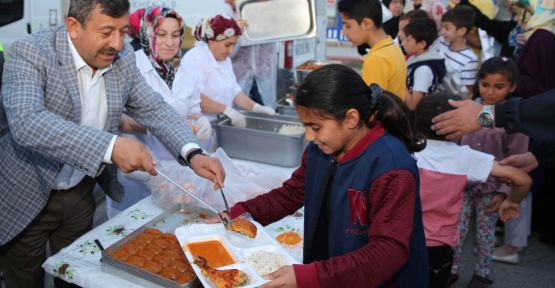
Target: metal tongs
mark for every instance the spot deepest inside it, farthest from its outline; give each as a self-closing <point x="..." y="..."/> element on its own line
<point x="224" y="220"/>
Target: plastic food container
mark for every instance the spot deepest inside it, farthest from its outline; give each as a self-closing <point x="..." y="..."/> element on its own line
<point x="240" y="248"/>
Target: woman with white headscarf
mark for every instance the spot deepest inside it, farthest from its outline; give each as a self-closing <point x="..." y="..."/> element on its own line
<point x="217" y="36"/>
<point x="160" y="32"/>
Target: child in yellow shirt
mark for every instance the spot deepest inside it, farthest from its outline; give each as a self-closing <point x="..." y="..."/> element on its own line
<point x="384" y="64"/>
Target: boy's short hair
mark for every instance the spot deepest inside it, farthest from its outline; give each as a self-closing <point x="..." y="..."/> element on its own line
<point x="461" y="16"/>
<point x="414" y="14"/>
<point x="429" y="107"/>
<point x="360" y="9"/>
<point x="422" y="30"/>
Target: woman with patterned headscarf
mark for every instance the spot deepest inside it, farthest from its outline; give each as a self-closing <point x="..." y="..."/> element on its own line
<point x="159" y="31"/>
<point x="217" y="36"/>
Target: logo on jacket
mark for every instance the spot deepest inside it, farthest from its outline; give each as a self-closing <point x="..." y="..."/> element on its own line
<point x="358" y="202"/>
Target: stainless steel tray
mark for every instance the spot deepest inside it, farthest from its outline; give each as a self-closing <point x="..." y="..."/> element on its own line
<point x="285" y="109"/>
<point x="276" y="20"/>
<point x="260" y="140"/>
<point x="167" y="222"/>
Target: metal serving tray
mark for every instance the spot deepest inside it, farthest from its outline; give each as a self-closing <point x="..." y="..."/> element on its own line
<point x="260" y="140"/>
<point x="285" y="109"/>
<point x="167" y="222"/>
<point x="276" y="20"/>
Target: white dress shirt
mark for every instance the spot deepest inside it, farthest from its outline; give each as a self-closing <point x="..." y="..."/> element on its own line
<point x="94" y="113"/>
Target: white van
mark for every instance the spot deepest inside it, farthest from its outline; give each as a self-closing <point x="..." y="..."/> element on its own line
<point x="19" y="18"/>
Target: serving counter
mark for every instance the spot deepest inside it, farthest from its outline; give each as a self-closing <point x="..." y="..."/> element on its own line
<point x="80" y="263"/>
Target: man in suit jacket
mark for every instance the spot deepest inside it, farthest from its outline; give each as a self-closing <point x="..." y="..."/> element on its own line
<point x="1" y="63"/>
<point x="63" y="95"/>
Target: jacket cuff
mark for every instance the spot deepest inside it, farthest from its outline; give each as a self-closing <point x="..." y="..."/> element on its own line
<point x="236" y="211"/>
<point x="306" y="275"/>
<point x="507" y="111"/>
<point x="499" y="116"/>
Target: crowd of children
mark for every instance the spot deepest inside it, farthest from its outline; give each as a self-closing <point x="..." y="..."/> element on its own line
<point x="448" y="65"/>
<point x="388" y="200"/>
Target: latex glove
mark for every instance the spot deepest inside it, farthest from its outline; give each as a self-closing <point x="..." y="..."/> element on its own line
<point x="237" y="119"/>
<point x="205" y="129"/>
<point x="263" y="109"/>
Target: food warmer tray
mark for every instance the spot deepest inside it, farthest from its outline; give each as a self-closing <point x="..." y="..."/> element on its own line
<point x="260" y="140"/>
<point x="166" y="222"/>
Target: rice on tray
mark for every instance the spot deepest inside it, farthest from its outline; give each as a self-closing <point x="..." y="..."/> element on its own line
<point x="287" y="129"/>
<point x="265" y="262"/>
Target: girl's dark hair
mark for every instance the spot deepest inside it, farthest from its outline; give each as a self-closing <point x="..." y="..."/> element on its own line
<point x="333" y="89"/>
<point x="429" y="107"/>
<point x="499" y="65"/>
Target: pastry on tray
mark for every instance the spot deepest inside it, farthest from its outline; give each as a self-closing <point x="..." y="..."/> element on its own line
<point x="158" y="253"/>
<point x="242" y="226"/>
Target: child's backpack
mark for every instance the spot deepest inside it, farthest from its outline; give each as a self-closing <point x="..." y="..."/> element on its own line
<point x="446" y="79"/>
<point x="431" y="59"/>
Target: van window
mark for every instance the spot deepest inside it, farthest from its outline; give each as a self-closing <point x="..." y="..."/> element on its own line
<point x="12" y="10"/>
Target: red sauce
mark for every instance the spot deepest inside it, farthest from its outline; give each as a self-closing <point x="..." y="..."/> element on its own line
<point x="213" y="251"/>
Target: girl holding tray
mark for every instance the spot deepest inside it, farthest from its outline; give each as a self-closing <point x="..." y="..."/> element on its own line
<point x="359" y="185"/>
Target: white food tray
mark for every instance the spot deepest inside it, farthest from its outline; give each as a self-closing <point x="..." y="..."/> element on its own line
<point x="239" y="246"/>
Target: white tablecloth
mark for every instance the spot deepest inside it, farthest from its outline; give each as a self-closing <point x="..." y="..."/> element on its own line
<point x="80" y="263"/>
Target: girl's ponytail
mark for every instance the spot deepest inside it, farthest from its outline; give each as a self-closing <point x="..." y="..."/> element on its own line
<point x="334" y="89"/>
<point x="392" y="112"/>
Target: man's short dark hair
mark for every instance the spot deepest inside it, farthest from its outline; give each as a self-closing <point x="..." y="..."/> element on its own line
<point x="82" y="9"/>
<point x="429" y="107"/>
<point x="461" y="16"/>
<point x="423" y="29"/>
<point x="360" y="9"/>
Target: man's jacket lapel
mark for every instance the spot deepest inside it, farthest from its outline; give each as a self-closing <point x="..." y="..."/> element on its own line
<point x="67" y="66"/>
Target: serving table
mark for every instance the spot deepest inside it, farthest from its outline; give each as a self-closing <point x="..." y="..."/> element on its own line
<point x="79" y="263"/>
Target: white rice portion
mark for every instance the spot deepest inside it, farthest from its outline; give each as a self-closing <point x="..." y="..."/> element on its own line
<point x="287" y="129"/>
<point x="265" y="262"/>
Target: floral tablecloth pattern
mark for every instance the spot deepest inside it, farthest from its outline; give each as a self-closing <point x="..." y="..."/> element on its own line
<point x="80" y="263"/>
